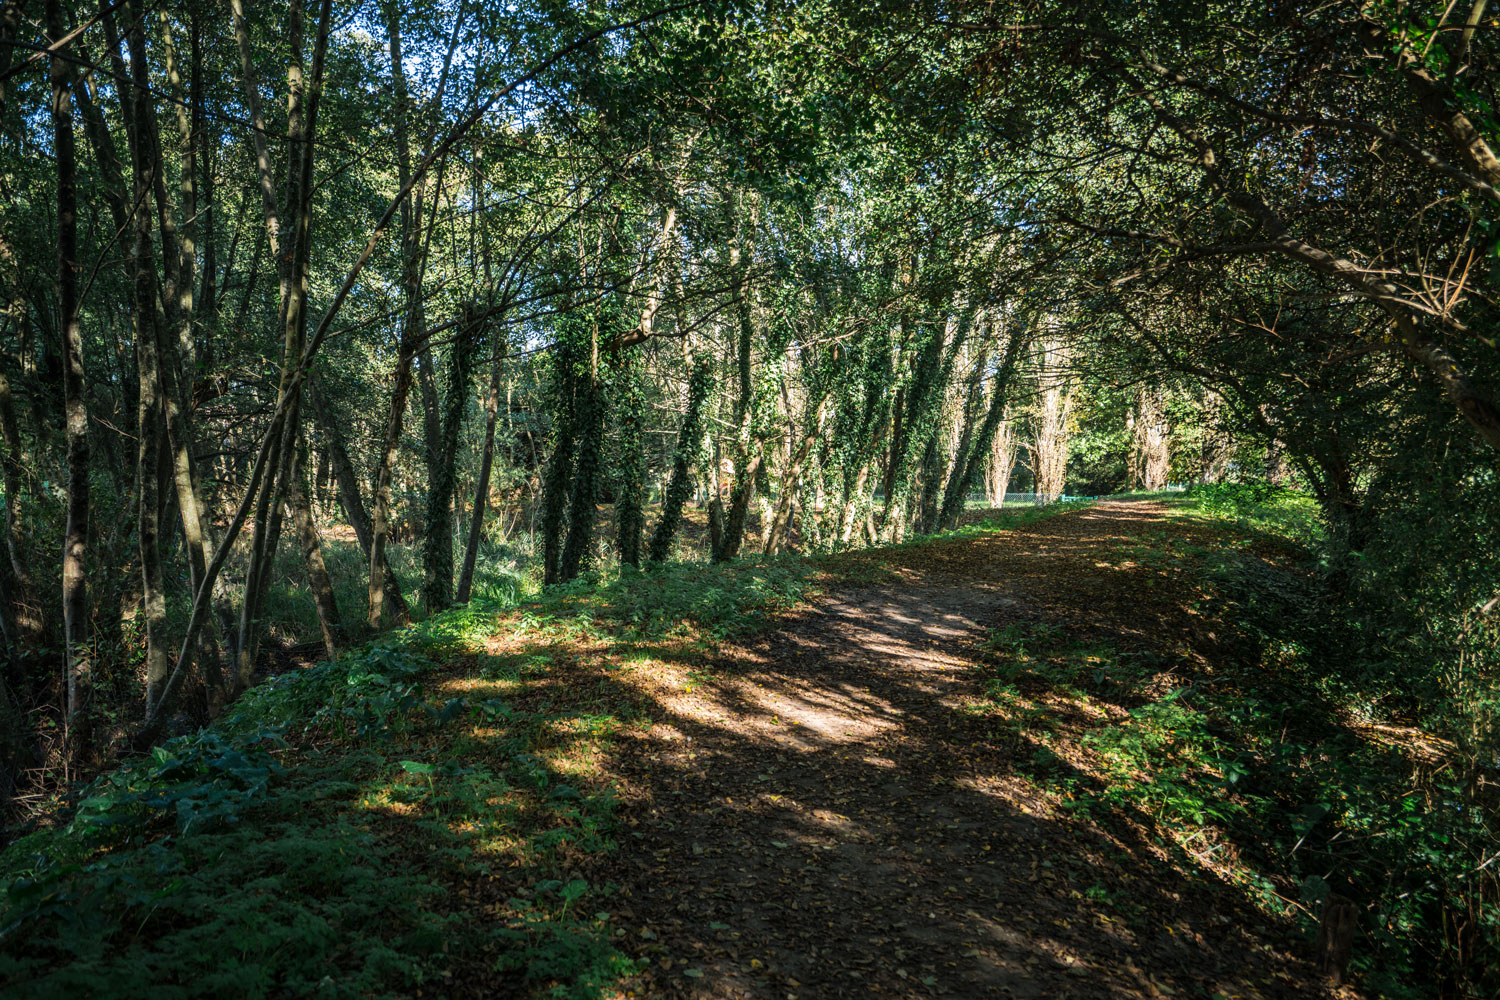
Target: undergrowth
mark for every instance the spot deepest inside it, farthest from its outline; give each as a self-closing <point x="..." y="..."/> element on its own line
<point x="421" y="808"/>
<point x="1257" y="748"/>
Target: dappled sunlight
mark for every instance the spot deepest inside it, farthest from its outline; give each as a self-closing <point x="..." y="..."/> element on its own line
<point x="840" y="772"/>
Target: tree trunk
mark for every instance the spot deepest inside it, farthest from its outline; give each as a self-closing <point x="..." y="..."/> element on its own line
<point x="1050" y="449"/>
<point x="1002" y="463"/>
<point x="302" y="108"/>
<point x="630" y="504"/>
<point x="25" y="613"/>
<point x="312" y="554"/>
<point x="969" y="464"/>
<point x="437" y="551"/>
<point x="1151" y="456"/>
<point x="583" y="498"/>
<point x="486" y="465"/>
<point x="680" y="485"/>
<point x="77" y="654"/>
<point x="779" y="534"/>
<point x="726" y="544"/>
<point x="353" y="503"/>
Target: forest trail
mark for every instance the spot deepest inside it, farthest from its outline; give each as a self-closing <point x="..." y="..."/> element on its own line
<point x="823" y="812"/>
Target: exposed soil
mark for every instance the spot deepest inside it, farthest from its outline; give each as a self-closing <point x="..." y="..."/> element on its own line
<point x="820" y="817"/>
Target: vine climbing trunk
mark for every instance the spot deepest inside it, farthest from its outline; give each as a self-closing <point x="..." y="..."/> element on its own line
<point x="968" y="466"/>
<point x="630" y="504"/>
<point x="747" y="453"/>
<point x="583" y="497"/>
<point x="681" y="484"/>
<point x="437" y="561"/>
<point x="486" y="467"/>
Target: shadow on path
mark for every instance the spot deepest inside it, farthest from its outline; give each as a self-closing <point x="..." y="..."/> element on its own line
<point x="821" y="817"/>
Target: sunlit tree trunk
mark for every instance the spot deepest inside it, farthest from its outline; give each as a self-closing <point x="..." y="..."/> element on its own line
<point x="969" y="464"/>
<point x="1051" y="431"/>
<point x="1151" y="456"/>
<point x="1002" y="462"/>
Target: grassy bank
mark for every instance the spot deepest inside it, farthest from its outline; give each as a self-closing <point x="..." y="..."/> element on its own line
<point x="420" y="811"/>
<point x="1246" y="735"/>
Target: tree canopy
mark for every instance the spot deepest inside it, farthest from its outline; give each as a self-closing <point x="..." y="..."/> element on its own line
<point x="321" y="317"/>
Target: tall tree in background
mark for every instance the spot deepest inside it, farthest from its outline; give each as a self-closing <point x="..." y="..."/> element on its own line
<point x="79" y="659"/>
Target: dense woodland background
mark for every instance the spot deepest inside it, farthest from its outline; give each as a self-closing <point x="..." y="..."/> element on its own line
<point x="319" y="317"/>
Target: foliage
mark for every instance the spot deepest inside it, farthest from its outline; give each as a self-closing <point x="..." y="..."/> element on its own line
<point x="1262" y="762"/>
<point x="267" y="831"/>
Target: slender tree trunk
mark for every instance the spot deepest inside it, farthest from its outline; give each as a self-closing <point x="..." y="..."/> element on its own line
<point x="413" y="328"/>
<point x="78" y="656"/>
<point x="559" y="472"/>
<point x="486" y="464"/>
<point x="311" y="547"/>
<point x="385" y="469"/>
<point x="150" y="422"/>
<point x="583" y="497"/>
<point x="630" y="505"/>
<point x="26" y="614"/>
<point x="171" y="379"/>
<point x="727" y="545"/>
<point x="150" y="432"/>
<point x="437" y="552"/>
<point x="353" y="502"/>
<point x="302" y="107"/>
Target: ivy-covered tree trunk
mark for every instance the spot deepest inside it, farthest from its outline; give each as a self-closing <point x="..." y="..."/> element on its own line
<point x="968" y="465"/>
<point x="559" y="472"/>
<point x="913" y="426"/>
<point x="437" y="549"/>
<point x="630" y="503"/>
<point x="778" y="535"/>
<point x="933" y="469"/>
<point x="747" y="451"/>
<point x="681" y="485"/>
<point x="583" y="510"/>
<point x="486" y="467"/>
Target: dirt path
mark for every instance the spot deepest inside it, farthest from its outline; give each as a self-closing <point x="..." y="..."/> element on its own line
<point x="821" y="817"/>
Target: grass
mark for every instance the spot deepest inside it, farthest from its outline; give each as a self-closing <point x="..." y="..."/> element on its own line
<point x="418" y="809"/>
<point x="1238" y="740"/>
<point x="420" y="815"/>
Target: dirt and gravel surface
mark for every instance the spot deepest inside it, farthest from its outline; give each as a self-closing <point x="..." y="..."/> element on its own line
<point x="821" y="812"/>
